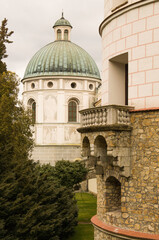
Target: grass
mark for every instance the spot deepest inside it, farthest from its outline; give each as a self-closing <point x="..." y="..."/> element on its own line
<point x="83" y="232"/>
<point x="87" y="204"/>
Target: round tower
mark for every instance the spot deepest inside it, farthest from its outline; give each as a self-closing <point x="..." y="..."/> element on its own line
<point x="130" y="56"/>
<point x="60" y="79"/>
<point x="121" y="137"/>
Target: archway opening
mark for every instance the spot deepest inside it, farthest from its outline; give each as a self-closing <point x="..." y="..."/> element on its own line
<point x="86" y="147"/>
<point x="100" y="147"/>
<point x="113" y="194"/>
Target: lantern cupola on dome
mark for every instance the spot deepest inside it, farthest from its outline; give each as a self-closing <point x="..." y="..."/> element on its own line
<point x="62" y="28"/>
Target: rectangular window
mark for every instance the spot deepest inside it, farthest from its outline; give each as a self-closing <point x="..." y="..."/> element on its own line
<point x="118" y="3"/>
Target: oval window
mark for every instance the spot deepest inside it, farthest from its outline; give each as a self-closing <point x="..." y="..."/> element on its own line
<point x="33" y="85"/>
<point x="90" y="86"/>
<point x="50" y="84"/>
<point x="73" y="85"/>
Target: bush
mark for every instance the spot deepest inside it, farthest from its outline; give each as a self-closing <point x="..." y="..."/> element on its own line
<point x="67" y="173"/>
<point x="35" y="207"/>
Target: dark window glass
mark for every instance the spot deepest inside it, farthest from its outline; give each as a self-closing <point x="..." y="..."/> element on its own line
<point x="58" y="34"/>
<point x="66" y="35"/>
<point x="72" y="111"/>
<point x="34" y="112"/>
<point x="126" y="84"/>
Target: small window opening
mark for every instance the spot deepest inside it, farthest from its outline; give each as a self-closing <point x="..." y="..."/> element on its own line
<point x="50" y="84"/>
<point x="73" y="85"/>
<point x="66" y="35"/>
<point x="58" y="34"/>
<point x="33" y="85"/>
<point x="91" y="86"/>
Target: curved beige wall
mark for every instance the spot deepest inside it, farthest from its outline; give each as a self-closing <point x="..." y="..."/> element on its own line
<point x="132" y="29"/>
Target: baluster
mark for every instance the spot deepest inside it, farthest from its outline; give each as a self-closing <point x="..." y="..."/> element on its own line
<point x="104" y="116"/>
<point x="93" y="118"/>
<point x="100" y="116"/>
<point x="83" y="120"/>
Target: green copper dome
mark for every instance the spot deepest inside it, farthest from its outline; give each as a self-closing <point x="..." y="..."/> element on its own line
<point x="62" y="58"/>
<point x="62" y="22"/>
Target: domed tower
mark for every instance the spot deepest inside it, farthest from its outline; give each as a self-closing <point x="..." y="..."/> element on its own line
<point x="60" y="79"/>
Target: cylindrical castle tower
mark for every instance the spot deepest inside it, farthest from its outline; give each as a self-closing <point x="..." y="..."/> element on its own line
<point x="130" y="38"/>
<point x="122" y="141"/>
<point x="60" y="79"/>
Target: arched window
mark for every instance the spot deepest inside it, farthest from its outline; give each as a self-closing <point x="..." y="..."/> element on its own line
<point x="66" y="35"/>
<point x="58" y="34"/>
<point x="32" y="106"/>
<point x="72" y="111"/>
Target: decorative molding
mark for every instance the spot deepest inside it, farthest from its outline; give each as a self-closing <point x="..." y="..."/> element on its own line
<point x="123" y="10"/>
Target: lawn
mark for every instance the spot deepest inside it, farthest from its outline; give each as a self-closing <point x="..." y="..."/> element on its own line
<point x="87" y="204"/>
<point x="83" y="232"/>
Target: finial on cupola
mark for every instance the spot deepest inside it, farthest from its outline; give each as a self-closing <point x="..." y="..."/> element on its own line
<point x="62" y="14"/>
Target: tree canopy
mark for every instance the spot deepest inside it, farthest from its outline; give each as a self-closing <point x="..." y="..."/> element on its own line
<point x="33" y="206"/>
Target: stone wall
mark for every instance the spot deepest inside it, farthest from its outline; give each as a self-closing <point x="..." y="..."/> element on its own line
<point x="139" y="206"/>
<point x="141" y="197"/>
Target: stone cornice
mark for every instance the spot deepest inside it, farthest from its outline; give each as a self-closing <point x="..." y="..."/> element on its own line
<point x="60" y="77"/>
<point x="123" y="10"/>
<point x="112" y="127"/>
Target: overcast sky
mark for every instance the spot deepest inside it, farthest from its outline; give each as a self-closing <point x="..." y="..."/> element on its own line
<point x="32" y="21"/>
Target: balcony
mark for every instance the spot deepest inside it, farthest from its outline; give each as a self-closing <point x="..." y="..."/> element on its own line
<point x="110" y="117"/>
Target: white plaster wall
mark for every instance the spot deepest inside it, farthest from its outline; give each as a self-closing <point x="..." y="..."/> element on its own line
<point x="51" y="154"/>
<point x="52" y="128"/>
<point x="92" y="185"/>
<point x="134" y="32"/>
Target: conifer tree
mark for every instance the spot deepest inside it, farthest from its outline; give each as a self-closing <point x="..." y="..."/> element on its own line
<point x="4" y="38"/>
<point x="32" y="206"/>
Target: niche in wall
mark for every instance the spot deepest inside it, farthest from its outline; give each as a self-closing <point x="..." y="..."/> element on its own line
<point x="118" y="80"/>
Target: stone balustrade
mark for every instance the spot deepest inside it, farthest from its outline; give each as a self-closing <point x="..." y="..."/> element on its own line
<point x="105" y="115"/>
